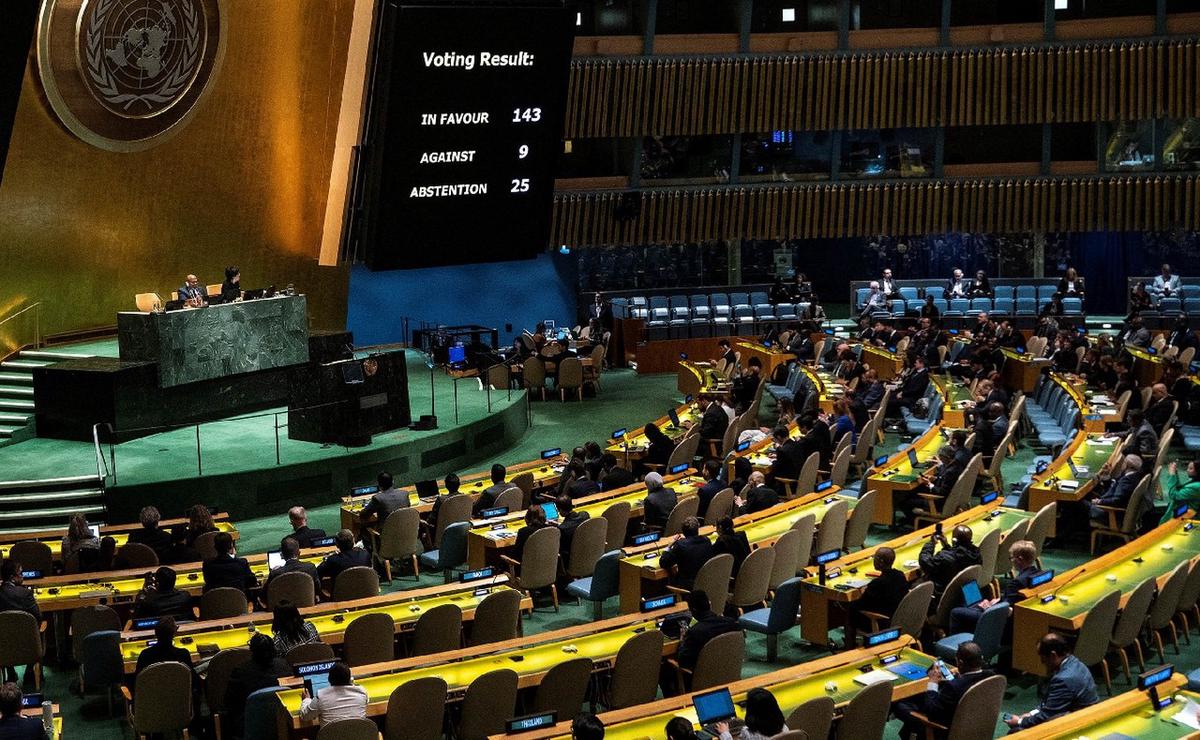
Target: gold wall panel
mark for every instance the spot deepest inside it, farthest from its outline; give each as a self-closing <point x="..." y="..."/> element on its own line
<point x="244" y="182"/>
<point x="836" y="210"/>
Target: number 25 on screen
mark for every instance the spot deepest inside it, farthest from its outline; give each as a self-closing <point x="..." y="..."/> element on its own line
<point x="527" y="115"/>
<point x="520" y="186"/>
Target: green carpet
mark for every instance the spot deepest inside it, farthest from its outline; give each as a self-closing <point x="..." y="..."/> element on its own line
<point x="626" y="400"/>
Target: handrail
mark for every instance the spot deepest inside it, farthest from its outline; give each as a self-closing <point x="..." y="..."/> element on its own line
<point x="102" y="469"/>
<point x="37" y="322"/>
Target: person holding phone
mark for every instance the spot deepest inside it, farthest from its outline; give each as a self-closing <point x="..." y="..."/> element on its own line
<point x="341" y="699"/>
<point x="944" y="691"/>
<point x="1071" y="685"/>
<point x="941" y="565"/>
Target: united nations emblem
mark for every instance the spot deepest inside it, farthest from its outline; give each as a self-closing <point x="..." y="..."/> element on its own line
<point x="121" y="74"/>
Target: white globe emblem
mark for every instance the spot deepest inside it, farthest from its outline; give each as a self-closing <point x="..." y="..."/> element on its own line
<point x="141" y="56"/>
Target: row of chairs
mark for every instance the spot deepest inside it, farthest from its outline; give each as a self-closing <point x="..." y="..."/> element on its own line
<point x="974" y="306"/>
<point x="701" y="322"/>
<point x="1007" y="292"/>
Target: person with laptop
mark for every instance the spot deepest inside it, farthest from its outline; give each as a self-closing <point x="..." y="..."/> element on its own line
<point x="347" y="556"/>
<point x="262" y="670"/>
<point x="79" y="536"/>
<point x="941" y="565"/>
<point x="881" y="596"/>
<point x="1023" y="555"/>
<point x="160" y="598"/>
<point x="705" y="625"/>
<point x="942" y="695"/>
<point x="487" y="498"/>
<point x="659" y="502"/>
<point x="764" y="718"/>
<point x="301" y="532"/>
<point x="289" y="554"/>
<point x="385" y="501"/>
<point x="569" y="521"/>
<point x="341" y="699"/>
<point x="14" y="726"/>
<point x="684" y="557"/>
<point x="227" y="570"/>
<point x="1070" y="689"/>
<point x="535" y="519"/>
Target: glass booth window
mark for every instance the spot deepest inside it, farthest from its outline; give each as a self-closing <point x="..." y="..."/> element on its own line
<point x="610" y="18"/>
<point x="595" y="158"/>
<point x="1129" y="147"/>
<point x="668" y="160"/>
<point x="887" y="153"/>
<point x="785" y="156"/>
<point x="868" y="14"/>
<point x="793" y="16"/>
<point x="1181" y="147"/>
<point x="696" y="16"/>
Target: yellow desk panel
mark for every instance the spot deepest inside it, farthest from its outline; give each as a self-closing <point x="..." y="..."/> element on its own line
<point x="120" y="534"/>
<point x="1129" y="714"/>
<point x="897" y="474"/>
<point x="634" y="444"/>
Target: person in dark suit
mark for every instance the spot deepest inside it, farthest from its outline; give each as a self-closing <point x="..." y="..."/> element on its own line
<point x="714" y="420"/>
<point x="383" y="503"/>
<point x="659" y="503"/>
<point x="227" y="570"/>
<point x="12" y="725"/>
<point x="301" y="532"/>
<point x="759" y="497"/>
<point x="613" y="476"/>
<point x="1119" y="490"/>
<point x="981" y="287"/>
<point x="568" y="522"/>
<point x="535" y="519"/>
<point x="451" y="484"/>
<point x="262" y="670"/>
<point x="727" y="353"/>
<point x="705" y="626"/>
<point x="787" y="462"/>
<point x="289" y="550"/>
<point x="1160" y="408"/>
<point x="488" y="497"/>
<point x="150" y="535"/>
<point x="1071" y="685"/>
<point x="940" y="566"/>
<point x="941" y="697"/>
<point x="231" y="289"/>
<point x="1023" y="555"/>
<point x="957" y="286"/>
<point x="929" y="309"/>
<point x="888" y="285"/>
<point x="682" y="560"/>
<point x="912" y="388"/>
<point x="660" y="446"/>
<point x="1182" y="335"/>
<point x="192" y="293"/>
<point x="15" y="596"/>
<point x="347" y="556"/>
<point x="712" y="485"/>
<point x="881" y="596"/>
<point x="815" y="438"/>
<point x="160" y="598"/>
<point x="164" y="649"/>
<point x="1070" y="284"/>
<point x="1141" y="439"/>
<point x="731" y="541"/>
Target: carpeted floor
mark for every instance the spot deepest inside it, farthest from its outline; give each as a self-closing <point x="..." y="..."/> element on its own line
<point x="625" y="400"/>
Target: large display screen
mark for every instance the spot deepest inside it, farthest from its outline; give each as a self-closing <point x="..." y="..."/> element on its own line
<point x="473" y="127"/>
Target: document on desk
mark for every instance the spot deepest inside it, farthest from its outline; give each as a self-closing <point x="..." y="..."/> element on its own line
<point x="874" y="677"/>
<point x="1189" y="715"/>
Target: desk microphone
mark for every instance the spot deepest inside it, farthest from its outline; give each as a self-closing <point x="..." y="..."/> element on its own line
<point x="1064" y="583"/>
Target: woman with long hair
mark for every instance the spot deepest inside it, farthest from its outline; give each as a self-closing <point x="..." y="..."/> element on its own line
<point x="290" y="629"/>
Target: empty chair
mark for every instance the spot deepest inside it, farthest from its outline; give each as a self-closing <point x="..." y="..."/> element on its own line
<point x="452" y="552"/>
<point x="912" y="610"/>
<point x="136" y="555"/>
<point x="223" y="603"/>
<point x="867" y="713"/>
<point x="454" y="509"/>
<point x="684" y="509"/>
<point x="859" y="524"/>
<point x="1128" y="628"/>
<point x="720" y="506"/>
<point x="564" y="687"/>
<point x="359" y="582"/>
<point x="533" y="375"/>
<point x="713" y="579"/>
<point x="34" y="555"/>
<point x="349" y="729"/>
<point x="511" y="499"/>
<point x="1164" y="608"/>
<point x="88" y="619"/>
<point x="776" y="619"/>
<point x="831" y="534"/>
<point x="296" y="588"/>
<point x="617" y="517"/>
<point x="415" y="710"/>
<point x="787" y="552"/>
<point x="1188" y="598"/>
<point x="438" y="630"/>
<point x="805" y="525"/>
<point x="814" y="717"/>
<point x="400" y="539"/>
<point x="636" y="670"/>
<point x="488" y="703"/>
<point x="206" y="545"/>
<point x="538" y="567"/>
<point x="587" y="545"/>
<point x="988" y="634"/>
<point x="718" y="664"/>
<point x="1039" y="527"/>
<point x="161" y="701"/>
<point x="1091" y="646"/>
<point x="370" y="639"/>
<point x="988" y="547"/>
<point x="602" y="585"/>
<point x="309" y="652"/>
<point x="753" y="579"/>
<point x="216" y="680"/>
<point x="101" y="665"/>
<point x="497" y="618"/>
<point x="570" y="377"/>
<point x="499" y="377"/>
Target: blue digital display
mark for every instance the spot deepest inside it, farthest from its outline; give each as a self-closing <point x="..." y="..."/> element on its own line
<point x="828" y="557"/>
<point x="551" y="510"/>
<point x="147" y="623"/>
<point x="880" y="460"/>
<point x="988" y="498"/>
<point x="323" y="542"/>
<point x="530" y="722"/>
<point x="658" y="602"/>
<point x="781" y="137"/>
<point x="493" y="513"/>
<point x="679" y="468"/>
<point x="881" y="637"/>
<point x="475" y="575"/>
<point x="30" y="575"/>
<point x="1155" y="677"/>
<point x="687" y="398"/>
<point x="301" y="670"/>
<point x="364" y="490"/>
<point x="458" y="353"/>
<point x="646" y="539"/>
<point x="825" y="486"/>
<point x="29" y="701"/>
<point x="1181" y="510"/>
<point x="555" y="452"/>
<point x="619" y="433"/>
<point x="1039" y="578"/>
<point x="743" y="446"/>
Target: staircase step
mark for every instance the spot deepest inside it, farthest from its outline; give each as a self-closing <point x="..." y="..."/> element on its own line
<point x="16" y="390"/>
<point x="54" y="496"/>
<point x="16" y="404"/>
<point x="23" y="364"/>
<point x="16" y="378"/>
<point x="43" y="484"/>
<point x="30" y="514"/>
<point x="8" y="432"/>
<point x="52" y="356"/>
<point x="9" y="419"/>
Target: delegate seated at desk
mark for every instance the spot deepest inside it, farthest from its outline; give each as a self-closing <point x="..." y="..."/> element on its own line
<point x="231" y="289"/>
<point x="192" y="293"/>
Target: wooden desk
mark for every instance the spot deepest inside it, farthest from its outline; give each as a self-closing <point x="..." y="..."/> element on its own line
<point x="488" y="539"/>
<point x="546" y="474"/>
<point x="1021" y="371"/>
<point x="642" y="576"/>
<point x="701" y="377"/>
<point x="119" y="532"/>
<point x="1127" y="714"/>
<point x="114" y="587"/>
<point x="956" y="400"/>
<point x="1147" y="368"/>
<point x="634" y="445"/>
<point x="770" y="357"/>
<point x="791" y="686"/>
<point x="1059" y="483"/>
<point x="887" y="365"/>
<point x="330" y="618"/>
<point x="598" y="641"/>
<point x="821" y="605"/>
<point x="1078" y="589"/>
<point x="897" y="474"/>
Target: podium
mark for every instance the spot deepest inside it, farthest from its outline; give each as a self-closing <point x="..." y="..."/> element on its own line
<point x="348" y="401"/>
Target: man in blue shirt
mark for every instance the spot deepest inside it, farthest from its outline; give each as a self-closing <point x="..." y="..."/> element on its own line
<point x="1071" y="685"/>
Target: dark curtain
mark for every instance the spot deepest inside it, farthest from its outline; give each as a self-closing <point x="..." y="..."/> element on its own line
<point x="1104" y="259"/>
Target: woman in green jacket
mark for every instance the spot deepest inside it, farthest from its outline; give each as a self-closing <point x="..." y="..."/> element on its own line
<point x="1181" y="493"/>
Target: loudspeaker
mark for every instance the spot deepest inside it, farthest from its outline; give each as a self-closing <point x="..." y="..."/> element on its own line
<point x="425" y="423"/>
<point x="17" y="21"/>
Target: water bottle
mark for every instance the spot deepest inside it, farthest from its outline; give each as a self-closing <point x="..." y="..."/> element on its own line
<point x="48" y="717"/>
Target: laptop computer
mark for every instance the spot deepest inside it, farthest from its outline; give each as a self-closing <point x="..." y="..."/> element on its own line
<point x="674" y="417"/>
<point x="551" y="510"/>
<point x="427" y="488"/>
<point x="713" y="707"/>
<point x="916" y="464"/>
<point x="971" y="594"/>
<point x="274" y="559"/>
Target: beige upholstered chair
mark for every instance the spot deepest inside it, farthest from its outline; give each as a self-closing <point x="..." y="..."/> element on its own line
<point x="400" y="539"/>
<point x="216" y="680"/>
<point x="490" y="701"/>
<point x="370" y="638"/>
<point x="416" y="710"/>
<point x="223" y="603"/>
<point x="636" y="670"/>
<point x="497" y="618"/>
<point x="161" y="701"/>
<point x="296" y="588"/>
<point x="538" y="567"/>
<point x="359" y="582"/>
<point x="438" y="630"/>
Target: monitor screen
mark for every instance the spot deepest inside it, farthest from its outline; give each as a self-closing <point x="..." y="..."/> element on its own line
<point x="828" y="557"/>
<point x="674" y="417"/>
<point x="825" y="485"/>
<point x="1181" y="510"/>
<point x="551" y="453"/>
<point x="274" y="559"/>
<point x="971" y="594"/>
<point x="646" y="539"/>
<point x="530" y="722"/>
<point x="323" y="542"/>
<point x="912" y="457"/>
<point x="364" y="490"/>
<point x="551" y="510"/>
<point x="880" y="460"/>
<point x="679" y="468"/>
<point x="688" y="398"/>
<point x="316" y="683"/>
<point x="988" y="498"/>
<point x="658" y="602"/>
<point x="31" y="575"/>
<point x="352" y="372"/>
<point x="1039" y="578"/>
<point x="1155" y="677"/>
<point x="619" y="433"/>
<point x="881" y="637"/>
<point x="493" y="512"/>
<point x="29" y="701"/>
<point x="458" y="353"/>
<point x="743" y="446"/>
<point x="95" y="530"/>
<point x="475" y="575"/>
<point x="713" y="706"/>
<point x="145" y="623"/>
